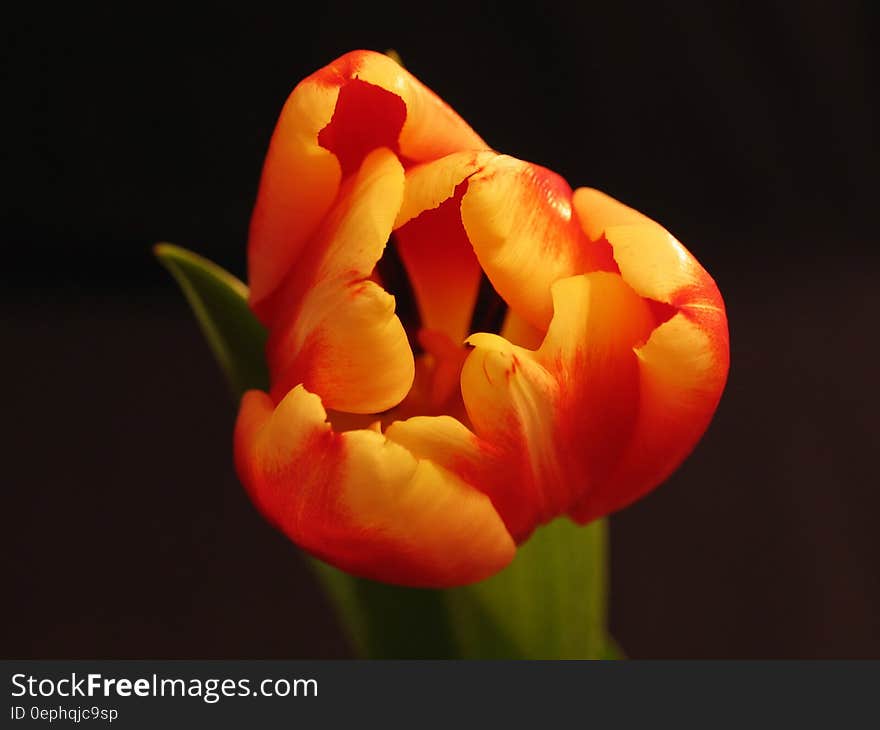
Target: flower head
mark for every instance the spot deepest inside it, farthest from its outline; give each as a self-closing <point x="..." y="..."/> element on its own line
<point x="460" y="347"/>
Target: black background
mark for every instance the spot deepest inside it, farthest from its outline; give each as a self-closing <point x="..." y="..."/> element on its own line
<point x="748" y="130"/>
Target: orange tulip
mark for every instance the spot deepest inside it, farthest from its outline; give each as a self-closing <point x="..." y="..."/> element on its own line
<point x="396" y="443"/>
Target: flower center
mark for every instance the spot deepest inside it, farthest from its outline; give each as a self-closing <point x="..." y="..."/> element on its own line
<point x="439" y="355"/>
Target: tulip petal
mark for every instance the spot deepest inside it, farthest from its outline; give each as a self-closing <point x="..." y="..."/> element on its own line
<point x="563" y="414"/>
<point x="366" y="117"/>
<point x="299" y="182"/>
<point x="682" y="371"/>
<point x="362" y="502"/>
<point x="339" y="334"/>
<point x="430" y="184"/>
<point x="649" y="258"/>
<point x="519" y="219"/>
<point x="357" y="356"/>
<point x="442" y="268"/>
<point x="597" y="211"/>
<point x="330" y="122"/>
<point x="434" y="246"/>
<point x="682" y="367"/>
<point x="447" y="442"/>
<point x="509" y="399"/>
<point x="431" y="129"/>
<point x="598" y="321"/>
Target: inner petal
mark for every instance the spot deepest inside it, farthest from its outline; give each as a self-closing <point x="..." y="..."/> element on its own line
<point x="438" y="358"/>
<point x="366" y="117"/>
<point x="442" y="296"/>
<point x="442" y="268"/>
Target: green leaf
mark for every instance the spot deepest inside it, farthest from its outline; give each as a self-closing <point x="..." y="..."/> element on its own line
<point x="219" y="302"/>
<point x="549" y="603"/>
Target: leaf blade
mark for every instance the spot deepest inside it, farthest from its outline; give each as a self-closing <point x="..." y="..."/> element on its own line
<point x="219" y="302"/>
<point x="549" y="603"/>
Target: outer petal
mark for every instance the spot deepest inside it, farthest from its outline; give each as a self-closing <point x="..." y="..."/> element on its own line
<point x="597" y="211"/>
<point x="362" y="502"/>
<point x="299" y="182"/>
<point x="682" y="368"/>
<point x="338" y="334"/>
<point x="447" y="442"/>
<point x="431" y="129"/>
<point x="682" y="371"/>
<point x="649" y="258"/>
<point x="330" y="122"/>
<point x="565" y="412"/>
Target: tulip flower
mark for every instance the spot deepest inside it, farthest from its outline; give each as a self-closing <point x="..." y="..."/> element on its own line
<point x="461" y="348"/>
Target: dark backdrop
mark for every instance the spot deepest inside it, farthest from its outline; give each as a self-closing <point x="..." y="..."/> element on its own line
<point x="748" y="131"/>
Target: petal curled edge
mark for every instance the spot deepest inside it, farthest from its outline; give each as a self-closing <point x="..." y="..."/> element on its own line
<point x="337" y="332"/>
<point x="330" y="122"/>
<point x="362" y="502"/>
